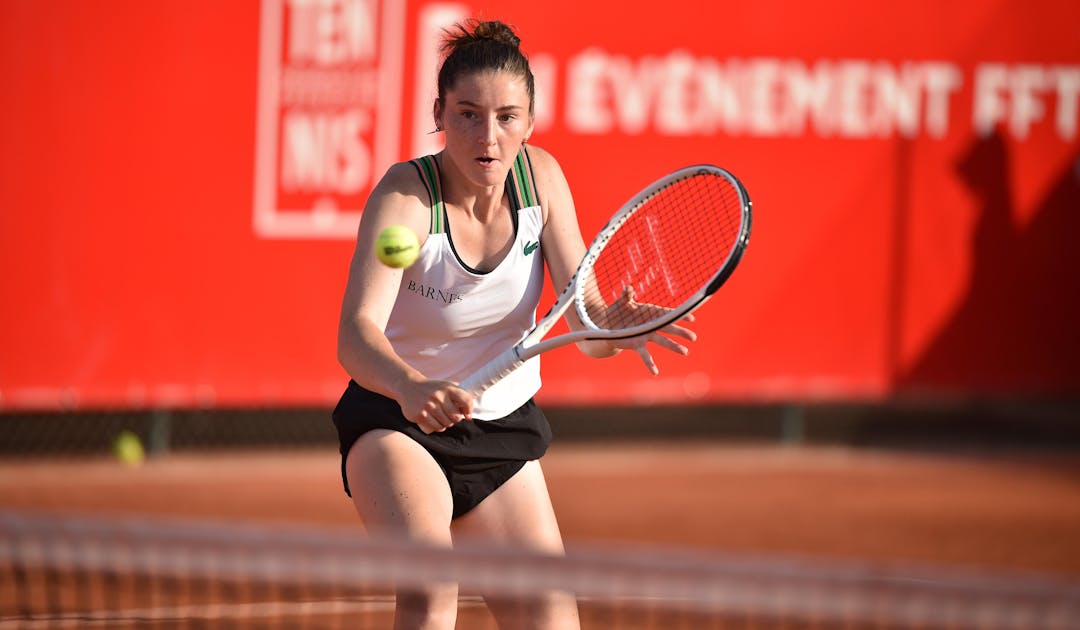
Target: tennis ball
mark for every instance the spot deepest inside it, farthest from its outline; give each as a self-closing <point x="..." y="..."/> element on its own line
<point x="128" y="448"/>
<point x="397" y="246"/>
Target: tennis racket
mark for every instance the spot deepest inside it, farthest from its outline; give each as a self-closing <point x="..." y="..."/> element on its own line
<point x="662" y="255"/>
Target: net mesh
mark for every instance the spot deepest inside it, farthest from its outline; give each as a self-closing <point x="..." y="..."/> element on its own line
<point x="65" y="572"/>
<point x="666" y="251"/>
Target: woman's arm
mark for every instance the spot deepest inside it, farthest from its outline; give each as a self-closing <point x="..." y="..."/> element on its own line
<point x="372" y="288"/>
<point x="563" y="245"/>
<point x="563" y="250"/>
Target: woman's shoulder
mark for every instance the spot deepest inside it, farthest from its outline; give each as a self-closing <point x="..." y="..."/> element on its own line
<point x="546" y="169"/>
<point x="402" y="182"/>
<point x="401" y="177"/>
<point x="399" y="197"/>
<point x="551" y="184"/>
<point x="541" y="159"/>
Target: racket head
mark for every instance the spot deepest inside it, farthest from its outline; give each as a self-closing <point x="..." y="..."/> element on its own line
<point x="664" y="253"/>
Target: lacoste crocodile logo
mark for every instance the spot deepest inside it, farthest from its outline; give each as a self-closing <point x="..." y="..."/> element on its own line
<point x="531" y="247"/>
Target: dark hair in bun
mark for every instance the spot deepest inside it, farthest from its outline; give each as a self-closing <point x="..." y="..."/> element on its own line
<point x="476" y="46"/>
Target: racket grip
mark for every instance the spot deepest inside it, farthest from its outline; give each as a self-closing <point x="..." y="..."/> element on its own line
<point x="495" y="370"/>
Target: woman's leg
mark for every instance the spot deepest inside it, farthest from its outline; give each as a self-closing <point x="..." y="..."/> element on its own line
<point x="519" y="514"/>
<point x="399" y="490"/>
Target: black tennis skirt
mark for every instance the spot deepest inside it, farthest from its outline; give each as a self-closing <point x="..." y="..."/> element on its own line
<point x="476" y="456"/>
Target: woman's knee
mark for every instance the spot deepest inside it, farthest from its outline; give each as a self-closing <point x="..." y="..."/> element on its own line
<point x="542" y="611"/>
<point x="433" y="607"/>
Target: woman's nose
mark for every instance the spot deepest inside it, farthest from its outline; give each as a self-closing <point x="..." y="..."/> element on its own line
<point x="488" y="135"/>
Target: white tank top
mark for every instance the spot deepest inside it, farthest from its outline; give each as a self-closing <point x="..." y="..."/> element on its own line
<point x="449" y="320"/>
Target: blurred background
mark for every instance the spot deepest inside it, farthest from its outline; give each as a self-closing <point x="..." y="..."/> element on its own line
<point x="181" y="181"/>
<point x="891" y="375"/>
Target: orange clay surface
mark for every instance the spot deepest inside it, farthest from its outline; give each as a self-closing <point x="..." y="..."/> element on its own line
<point x="1008" y="511"/>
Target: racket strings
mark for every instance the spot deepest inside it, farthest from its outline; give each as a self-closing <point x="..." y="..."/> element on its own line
<point x="666" y="251"/>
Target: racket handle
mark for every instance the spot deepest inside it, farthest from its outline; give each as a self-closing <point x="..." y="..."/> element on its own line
<point x="495" y="370"/>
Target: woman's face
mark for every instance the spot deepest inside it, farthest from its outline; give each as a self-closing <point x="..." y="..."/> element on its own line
<point x="485" y="117"/>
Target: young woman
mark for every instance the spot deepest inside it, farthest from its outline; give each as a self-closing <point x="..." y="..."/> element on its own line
<point x="422" y="458"/>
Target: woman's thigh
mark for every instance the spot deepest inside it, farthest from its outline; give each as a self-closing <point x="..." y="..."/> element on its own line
<point x="518" y="514"/>
<point x="398" y="488"/>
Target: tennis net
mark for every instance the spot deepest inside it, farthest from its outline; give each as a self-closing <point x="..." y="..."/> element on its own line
<point x="82" y="572"/>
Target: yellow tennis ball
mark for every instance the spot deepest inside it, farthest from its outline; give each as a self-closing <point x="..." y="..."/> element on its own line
<point x="397" y="246"/>
<point x="128" y="448"/>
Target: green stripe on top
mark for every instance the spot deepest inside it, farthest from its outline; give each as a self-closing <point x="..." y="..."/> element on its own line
<point x="523" y="180"/>
<point x="430" y="171"/>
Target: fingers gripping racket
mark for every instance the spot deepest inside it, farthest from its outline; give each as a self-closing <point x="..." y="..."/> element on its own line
<point x="662" y="255"/>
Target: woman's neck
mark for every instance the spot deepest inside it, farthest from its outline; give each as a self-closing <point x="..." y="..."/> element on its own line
<point x="479" y="202"/>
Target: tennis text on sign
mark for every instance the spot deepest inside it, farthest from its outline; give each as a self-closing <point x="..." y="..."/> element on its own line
<point x="323" y="148"/>
<point x="328" y="112"/>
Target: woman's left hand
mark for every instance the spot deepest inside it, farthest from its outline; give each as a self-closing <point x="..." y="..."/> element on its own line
<point x="627" y="309"/>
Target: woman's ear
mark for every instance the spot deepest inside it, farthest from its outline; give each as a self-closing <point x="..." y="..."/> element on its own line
<point x="436" y="112"/>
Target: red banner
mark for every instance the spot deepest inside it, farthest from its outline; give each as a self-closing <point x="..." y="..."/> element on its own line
<point x="181" y="183"/>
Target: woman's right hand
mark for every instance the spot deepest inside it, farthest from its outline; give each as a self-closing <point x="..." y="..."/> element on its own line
<point x="434" y="405"/>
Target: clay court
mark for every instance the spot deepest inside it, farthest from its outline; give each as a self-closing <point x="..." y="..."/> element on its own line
<point x="1014" y="511"/>
<point x="1011" y="514"/>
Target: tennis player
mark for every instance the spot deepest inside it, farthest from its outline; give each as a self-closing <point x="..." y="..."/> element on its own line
<point x="422" y="458"/>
